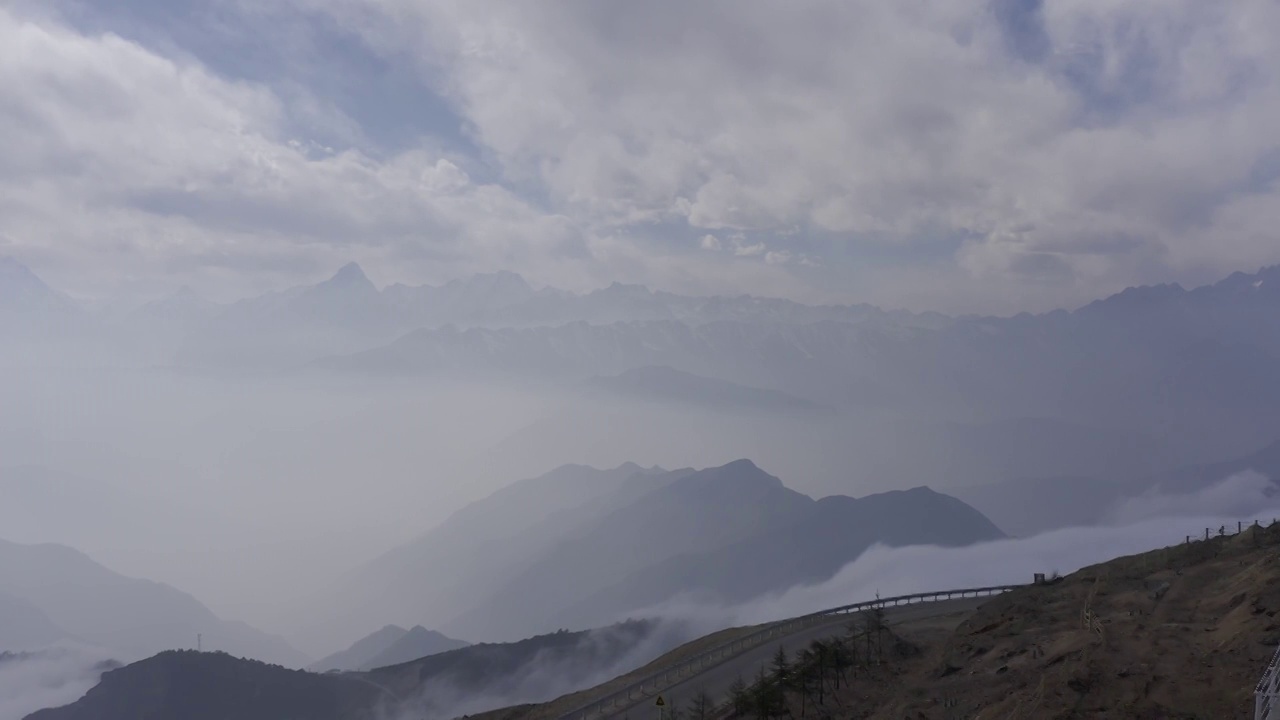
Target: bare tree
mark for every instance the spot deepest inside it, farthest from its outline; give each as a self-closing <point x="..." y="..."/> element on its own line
<point x="840" y="660"/>
<point x="699" y="705"/>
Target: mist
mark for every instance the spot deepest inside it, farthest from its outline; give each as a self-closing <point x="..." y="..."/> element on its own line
<point x="903" y="571"/>
<point x="881" y="571"/>
<point x="888" y="572"/>
<point x="55" y="676"/>
<point x="548" y="676"/>
<point x="330" y="326"/>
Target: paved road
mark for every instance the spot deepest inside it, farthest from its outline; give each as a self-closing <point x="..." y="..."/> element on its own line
<point x="716" y="680"/>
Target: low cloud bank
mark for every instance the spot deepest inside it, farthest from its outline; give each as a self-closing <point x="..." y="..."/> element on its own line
<point x="1153" y="520"/>
<point x="1238" y="496"/>
<point x="902" y="571"/>
<point x="53" y="677"/>
<point x="601" y="656"/>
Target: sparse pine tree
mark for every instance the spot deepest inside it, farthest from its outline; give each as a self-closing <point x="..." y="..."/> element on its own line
<point x="781" y="667"/>
<point x="767" y="697"/>
<point x="804" y="678"/>
<point x="739" y="698"/>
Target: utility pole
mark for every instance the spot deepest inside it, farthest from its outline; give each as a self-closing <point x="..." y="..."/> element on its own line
<point x="199" y="642"/>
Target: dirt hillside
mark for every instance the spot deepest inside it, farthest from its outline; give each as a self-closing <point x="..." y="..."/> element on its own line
<point x="1183" y="632"/>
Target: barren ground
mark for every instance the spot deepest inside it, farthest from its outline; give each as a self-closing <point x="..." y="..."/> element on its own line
<point x="1182" y="632"/>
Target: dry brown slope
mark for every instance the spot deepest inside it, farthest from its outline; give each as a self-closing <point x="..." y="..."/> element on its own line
<point x="568" y="703"/>
<point x="1193" y="649"/>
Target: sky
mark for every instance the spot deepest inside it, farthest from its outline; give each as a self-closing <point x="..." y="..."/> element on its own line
<point x="968" y="156"/>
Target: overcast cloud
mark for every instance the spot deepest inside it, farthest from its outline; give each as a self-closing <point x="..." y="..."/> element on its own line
<point x="968" y="155"/>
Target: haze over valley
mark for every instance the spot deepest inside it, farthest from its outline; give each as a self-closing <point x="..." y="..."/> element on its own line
<point x="326" y="495"/>
<point x="377" y="360"/>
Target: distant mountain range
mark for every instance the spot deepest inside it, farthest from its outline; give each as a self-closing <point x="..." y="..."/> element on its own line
<point x="392" y="645"/>
<point x="580" y="547"/>
<point x="52" y="592"/>
<point x="347" y="313"/>
<point x="1197" y="369"/>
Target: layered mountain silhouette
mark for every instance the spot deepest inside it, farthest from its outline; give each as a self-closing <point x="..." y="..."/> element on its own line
<point x="54" y="592"/>
<point x="392" y="645"/>
<point x="822" y="537"/>
<point x="1195" y="367"/>
<point x="580" y="547"/>
<point x="24" y="627"/>
<point x="187" y="685"/>
<point x="471" y="554"/>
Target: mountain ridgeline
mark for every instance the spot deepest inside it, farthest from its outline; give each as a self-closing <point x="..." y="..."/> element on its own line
<point x="187" y="685"/>
<point x="580" y="547"/>
<point x="392" y="645"/>
<point x="50" y="593"/>
<point x="1159" y="375"/>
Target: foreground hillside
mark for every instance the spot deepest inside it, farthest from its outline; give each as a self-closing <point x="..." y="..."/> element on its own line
<point x="1179" y="633"/>
<point x="188" y="685"/>
<point x="1183" y="632"/>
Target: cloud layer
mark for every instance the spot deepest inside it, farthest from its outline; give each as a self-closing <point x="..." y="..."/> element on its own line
<point x="980" y="154"/>
<point x="52" y="678"/>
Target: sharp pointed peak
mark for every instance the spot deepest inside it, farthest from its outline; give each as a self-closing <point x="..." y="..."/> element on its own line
<point x="351" y="272"/>
<point x="349" y="277"/>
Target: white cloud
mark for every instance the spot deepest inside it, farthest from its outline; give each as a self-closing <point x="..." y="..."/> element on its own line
<point x="709" y="242"/>
<point x="116" y="157"/>
<point x="1149" y="523"/>
<point x="902" y="571"/>
<point x="777" y="257"/>
<point x="53" y="677"/>
<point x="1128" y="141"/>
<point x="1124" y="152"/>
<point x="1237" y="496"/>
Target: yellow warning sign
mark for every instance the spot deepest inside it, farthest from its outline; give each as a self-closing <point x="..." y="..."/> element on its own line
<point x="660" y="702"/>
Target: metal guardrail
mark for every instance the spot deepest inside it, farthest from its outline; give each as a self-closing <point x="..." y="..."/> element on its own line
<point x="1266" y="696"/>
<point x="650" y="685"/>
